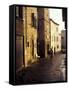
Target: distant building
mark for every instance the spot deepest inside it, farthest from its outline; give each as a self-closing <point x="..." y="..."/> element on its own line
<point x="55" y="42"/>
<point x="63" y="39"/>
<point x="43" y="32"/>
<point x="59" y="42"/>
<point x="64" y="16"/>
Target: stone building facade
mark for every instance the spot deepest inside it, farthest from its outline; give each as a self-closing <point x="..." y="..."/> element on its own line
<point x="30" y="34"/>
<point x="55" y="42"/>
<point x="26" y="36"/>
<point x="43" y="32"/>
<point x="63" y="39"/>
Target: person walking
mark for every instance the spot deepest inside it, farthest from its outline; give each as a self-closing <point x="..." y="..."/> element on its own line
<point x="51" y="52"/>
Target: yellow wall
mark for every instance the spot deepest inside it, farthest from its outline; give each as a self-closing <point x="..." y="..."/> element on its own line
<point x="54" y="35"/>
<point x="30" y="34"/>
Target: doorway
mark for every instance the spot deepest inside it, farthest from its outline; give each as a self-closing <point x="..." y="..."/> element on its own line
<point x="33" y="48"/>
<point x="41" y="48"/>
<point x="48" y="47"/>
<point x="19" y="52"/>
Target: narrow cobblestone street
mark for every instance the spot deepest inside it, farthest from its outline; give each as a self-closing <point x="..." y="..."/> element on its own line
<point x="50" y="70"/>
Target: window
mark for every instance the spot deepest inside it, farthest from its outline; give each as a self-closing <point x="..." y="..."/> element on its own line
<point x="57" y="46"/>
<point x="62" y="38"/>
<point x="19" y="20"/>
<point x="19" y="12"/>
<point x="33" y="21"/>
<point x="57" y="29"/>
<point x="57" y="38"/>
<point x="27" y="44"/>
<point x="54" y="38"/>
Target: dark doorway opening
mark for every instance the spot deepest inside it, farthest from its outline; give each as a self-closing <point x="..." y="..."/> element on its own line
<point x="48" y="47"/>
<point x="41" y="48"/>
<point x="19" y="52"/>
<point x="33" y="48"/>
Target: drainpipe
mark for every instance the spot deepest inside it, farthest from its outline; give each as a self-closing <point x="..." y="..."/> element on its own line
<point x="25" y="34"/>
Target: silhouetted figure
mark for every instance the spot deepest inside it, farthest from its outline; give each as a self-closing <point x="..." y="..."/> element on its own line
<point x="51" y="53"/>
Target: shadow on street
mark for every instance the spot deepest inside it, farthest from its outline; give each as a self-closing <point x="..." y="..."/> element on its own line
<point x="44" y="71"/>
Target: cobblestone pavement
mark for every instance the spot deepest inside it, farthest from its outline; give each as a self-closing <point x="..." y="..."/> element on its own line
<point x="45" y="71"/>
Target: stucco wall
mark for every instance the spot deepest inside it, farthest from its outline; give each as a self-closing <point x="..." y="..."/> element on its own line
<point x="55" y="37"/>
